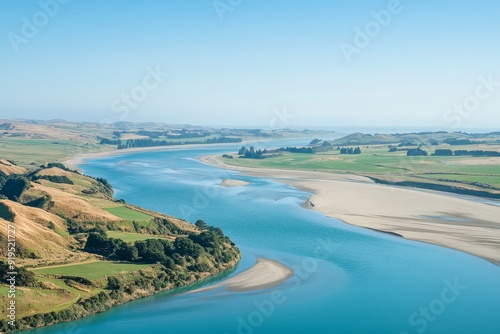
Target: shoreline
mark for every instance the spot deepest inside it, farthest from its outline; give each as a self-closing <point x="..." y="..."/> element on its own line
<point x="431" y="217"/>
<point x="480" y="239"/>
<point x="264" y="274"/>
<point x="77" y="310"/>
<point x="78" y="159"/>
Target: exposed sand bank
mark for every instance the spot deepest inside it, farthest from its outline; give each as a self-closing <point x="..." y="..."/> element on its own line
<point x="264" y="274"/>
<point x="431" y="217"/>
<point x="234" y="183"/>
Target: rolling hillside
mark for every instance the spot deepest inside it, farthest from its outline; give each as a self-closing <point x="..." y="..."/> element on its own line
<point x="86" y="252"/>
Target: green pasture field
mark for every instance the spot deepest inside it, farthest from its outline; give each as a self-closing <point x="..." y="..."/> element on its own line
<point x="377" y="161"/>
<point x="126" y="213"/>
<point x="92" y="270"/>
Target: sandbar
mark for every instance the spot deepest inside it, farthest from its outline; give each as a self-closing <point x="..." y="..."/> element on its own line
<point x="263" y="275"/>
<point x="432" y="217"/>
<point x="234" y="183"/>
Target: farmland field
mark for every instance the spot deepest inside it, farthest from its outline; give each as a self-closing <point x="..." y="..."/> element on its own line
<point x="29" y="153"/>
<point x="376" y="161"/>
<point x="92" y="270"/>
<point x="126" y="213"/>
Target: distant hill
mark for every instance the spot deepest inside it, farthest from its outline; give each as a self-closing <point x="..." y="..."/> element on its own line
<point x="359" y="138"/>
<point x="415" y="138"/>
<point x="34" y="131"/>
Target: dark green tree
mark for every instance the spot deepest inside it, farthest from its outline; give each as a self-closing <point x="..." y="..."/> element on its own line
<point x="14" y="187"/>
<point x="200" y="224"/>
<point x="185" y="246"/>
<point x="126" y="252"/>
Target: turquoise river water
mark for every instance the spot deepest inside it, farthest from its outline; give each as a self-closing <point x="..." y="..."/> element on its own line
<point x="347" y="279"/>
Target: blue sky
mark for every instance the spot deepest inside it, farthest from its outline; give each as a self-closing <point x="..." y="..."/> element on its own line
<point x="262" y="58"/>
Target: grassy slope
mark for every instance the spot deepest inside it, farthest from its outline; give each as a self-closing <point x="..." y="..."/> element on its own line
<point x="57" y="294"/>
<point x="44" y="232"/>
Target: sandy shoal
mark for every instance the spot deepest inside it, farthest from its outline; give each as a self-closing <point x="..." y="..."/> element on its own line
<point x="234" y="183"/>
<point x="432" y="217"/>
<point x="264" y="274"/>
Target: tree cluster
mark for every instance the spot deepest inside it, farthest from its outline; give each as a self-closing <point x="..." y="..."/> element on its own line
<point x="453" y="141"/>
<point x="160" y="250"/>
<point x="3" y="178"/>
<point x="174" y="134"/>
<point x="350" y="150"/>
<point x="297" y="149"/>
<point x="416" y="152"/>
<point x="251" y="153"/>
<point x="107" y="141"/>
<point x="14" y="186"/>
<point x="142" y="142"/>
<point x="477" y="153"/>
<point x="24" y="277"/>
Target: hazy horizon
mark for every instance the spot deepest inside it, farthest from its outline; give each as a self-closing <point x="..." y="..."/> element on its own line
<point x="316" y="64"/>
<point x="347" y="129"/>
